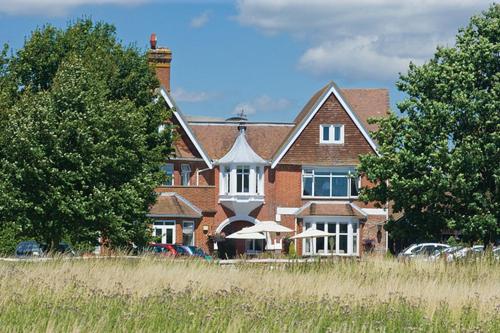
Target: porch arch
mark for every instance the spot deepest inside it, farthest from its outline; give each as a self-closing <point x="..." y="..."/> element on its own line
<point x="228" y="221"/>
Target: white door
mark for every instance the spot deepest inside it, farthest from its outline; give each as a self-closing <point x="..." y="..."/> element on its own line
<point x="165" y="230"/>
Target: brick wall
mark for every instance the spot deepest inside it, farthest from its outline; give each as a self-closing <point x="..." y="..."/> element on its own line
<point x="308" y="150"/>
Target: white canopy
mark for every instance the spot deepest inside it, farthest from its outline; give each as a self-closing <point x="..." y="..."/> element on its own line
<point x="266" y="226"/>
<point x="250" y="235"/>
<point x="312" y="233"/>
<point x="241" y="152"/>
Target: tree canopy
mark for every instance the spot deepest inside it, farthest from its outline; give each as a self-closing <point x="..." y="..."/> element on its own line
<point x="80" y="148"/>
<point x="439" y="162"/>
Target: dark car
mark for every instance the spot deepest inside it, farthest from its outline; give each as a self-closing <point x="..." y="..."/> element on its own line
<point x="29" y="249"/>
<point x="32" y="248"/>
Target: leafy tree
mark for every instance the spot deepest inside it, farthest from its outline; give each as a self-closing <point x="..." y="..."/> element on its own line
<point x="80" y="148"/>
<point x="440" y="161"/>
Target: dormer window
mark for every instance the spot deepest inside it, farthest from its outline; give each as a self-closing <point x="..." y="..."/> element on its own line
<point x="331" y="134"/>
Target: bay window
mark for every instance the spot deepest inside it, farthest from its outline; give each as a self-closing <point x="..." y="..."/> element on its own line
<point x="343" y="242"/>
<point x="242" y="179"/>
<point x="336" y="182"/>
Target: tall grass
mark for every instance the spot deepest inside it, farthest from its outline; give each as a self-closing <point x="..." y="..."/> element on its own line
<point x="165" y="295"/>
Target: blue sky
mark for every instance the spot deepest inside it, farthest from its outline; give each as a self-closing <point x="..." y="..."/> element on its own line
<point x="265" y="56"/>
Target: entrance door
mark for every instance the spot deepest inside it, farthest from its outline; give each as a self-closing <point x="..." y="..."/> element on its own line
<point x="165" y="231"/>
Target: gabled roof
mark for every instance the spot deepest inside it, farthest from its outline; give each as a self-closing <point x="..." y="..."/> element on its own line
<point x="330" y="208"/>
<point x="217" y="138"/>
<point x="241" y="152"/>
<point x="170" y="204"/>
<point x="313" y="106"/>
<point x="185" y="126"/>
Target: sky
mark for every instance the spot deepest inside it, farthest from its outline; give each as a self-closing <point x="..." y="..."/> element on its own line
<point x="266" y="57"/>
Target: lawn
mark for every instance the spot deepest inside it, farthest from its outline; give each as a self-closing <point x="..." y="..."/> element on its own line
<point x="372" y="295"/>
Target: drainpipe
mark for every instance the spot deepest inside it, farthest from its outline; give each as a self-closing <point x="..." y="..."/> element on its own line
<point x="198" y="175"/>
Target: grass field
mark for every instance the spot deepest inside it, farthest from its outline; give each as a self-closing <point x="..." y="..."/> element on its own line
<point x="374" y="295"/>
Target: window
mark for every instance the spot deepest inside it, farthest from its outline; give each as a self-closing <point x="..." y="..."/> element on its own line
<point x="188" y="233"/>
<point x="343" y="242"/>
<point x="164" y="231"/>
<point x="254" y="246"/>
<point x="168" y="169"/>
<point x="331" y="134"/>
<point x="227" y="180"/>
<point x="340" y="182"/>
<point x="243" y="179"/>
<point x="185" y="174"/>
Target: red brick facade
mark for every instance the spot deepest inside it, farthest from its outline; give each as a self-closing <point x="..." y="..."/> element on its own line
<point x="282" y="184"/>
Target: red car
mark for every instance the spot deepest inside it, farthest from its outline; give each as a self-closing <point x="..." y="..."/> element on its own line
<point x="167" y="249"/>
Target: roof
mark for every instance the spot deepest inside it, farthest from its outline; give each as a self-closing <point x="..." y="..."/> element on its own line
<point x="325" y="208"/>
<point x="218" y="138"/>
<point x="241" y="152"/>
<point x="214" y="138"/>
<point x="169" y="204"/>
<point x="313" y="106"/>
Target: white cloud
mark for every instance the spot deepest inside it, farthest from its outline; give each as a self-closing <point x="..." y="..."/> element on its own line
<point x="362" y="39"/>
<point x="262" y="103"/>
<point x="55" y="7"/>
<point x="200" y="20"/>
<point x="182" y="95"/>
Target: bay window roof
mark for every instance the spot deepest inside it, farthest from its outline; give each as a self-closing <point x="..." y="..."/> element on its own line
<point x="241" y="152"/>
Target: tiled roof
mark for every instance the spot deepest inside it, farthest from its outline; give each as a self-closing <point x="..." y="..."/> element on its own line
<point x="217" y="139"/>
<point x="174" y="205"/>
<point x="329" y="209"/>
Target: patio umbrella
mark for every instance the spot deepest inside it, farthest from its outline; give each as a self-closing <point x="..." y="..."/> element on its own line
<point x="250" y="235"/>
<point x="266" y="227"/>
<point x="312" y="233"/>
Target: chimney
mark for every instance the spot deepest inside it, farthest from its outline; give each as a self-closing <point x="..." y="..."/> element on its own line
<point x="160" y="57"/>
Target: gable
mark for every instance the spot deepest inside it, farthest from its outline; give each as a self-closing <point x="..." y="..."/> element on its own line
<point x="307" y="149"/>
<point x="186" y="130"/>
<point x="183" y="146"/>
<point x="334" y="107"/>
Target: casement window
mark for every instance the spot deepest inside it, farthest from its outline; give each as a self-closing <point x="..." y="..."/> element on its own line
<point x="337" y="182"/>
<point x="185" y="174"/>
<point x="188" y="233"/>
<point x="168" y="169"/>
<point x="243" y="179"/>
<point x="343" y="242"/>
<point x="331" y="134"/>
<point x="164" y="231"/>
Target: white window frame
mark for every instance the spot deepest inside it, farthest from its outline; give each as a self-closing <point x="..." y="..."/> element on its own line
<point x="185" y="172"/>
<point x="230" y="172"/>
<point x="169" y="167"/>
<point x="331" y="133"/>
<point x="194" y="238"/>
<point x="245" y="171"/>
<point x="352" y="248"/>
<point x="164" y="225"/>
<point x="309" y="172"/>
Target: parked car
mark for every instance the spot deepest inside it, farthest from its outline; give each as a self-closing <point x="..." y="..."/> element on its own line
<point x="422" y="249"/>
<point x="161" y="249"/>
<point x="197" y="252"/>
<point x="496" y="253"/>
<point x="29" y="248"/>
<point x="33" y="248"/>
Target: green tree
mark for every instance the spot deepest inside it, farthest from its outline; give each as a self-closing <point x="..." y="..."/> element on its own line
<point x="440" y="161"/>
<point x="80" y="148"/>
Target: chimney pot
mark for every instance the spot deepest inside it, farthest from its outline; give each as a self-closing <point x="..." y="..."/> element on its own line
<point x="152" y="41"/>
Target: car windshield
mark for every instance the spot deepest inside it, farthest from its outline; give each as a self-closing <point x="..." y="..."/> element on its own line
<point x="407" y="248"/>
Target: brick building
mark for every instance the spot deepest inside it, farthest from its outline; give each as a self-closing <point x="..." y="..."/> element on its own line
<point x="234" y="173"/>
